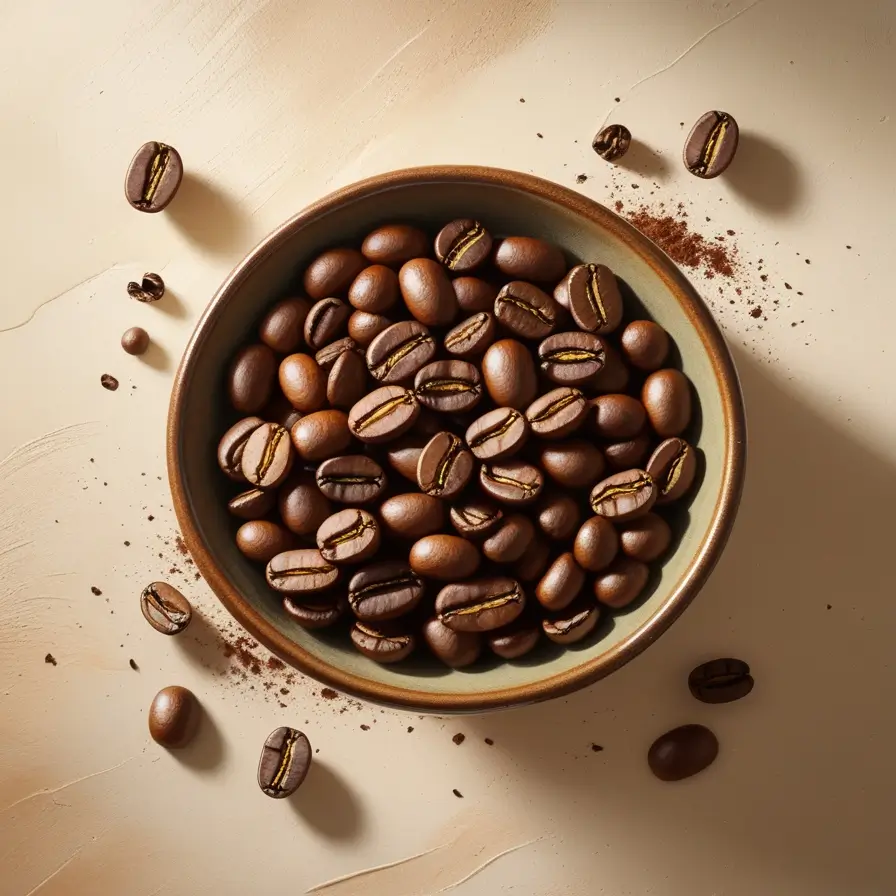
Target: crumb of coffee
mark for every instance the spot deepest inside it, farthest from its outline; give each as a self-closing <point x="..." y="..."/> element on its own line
<point x="596" y="748"/>
<point x="410" y="728"/>
<point x="329" y="694"/>
<point x="808" y="261"/>
<point x="756" y="311"/>
<point x="365" y="727"/>
<point x="581" y="178"/>
<point x="284" y="691"/>
<point x="459" y="738"/>
<point x="787" y="286"/>
<point x="830" y="605"/>
<point x="109" y="382"/>
<point x="49" y="658"/>
<point x="275" y="664"/>
<point x="522" y="100"/>
<point x="133" y="665"/>
<point x="617" y="99"/>
<point x="150" y="517"/>
<point x="541" y="136"/>
<point x="849" y="247"/>
<point x="457" y="793"/>
<point x="127" y="544"/>
<point x="95" y="590"/>
<point x="489" y="741"/>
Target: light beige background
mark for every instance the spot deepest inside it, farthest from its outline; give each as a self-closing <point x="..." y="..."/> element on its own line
<point x="273" y="104"/>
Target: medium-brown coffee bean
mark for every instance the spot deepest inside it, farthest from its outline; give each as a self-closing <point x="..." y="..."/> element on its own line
<point x="135" y="340"/>
<point x="624" y="496"/>
<point x="666" y="396"/>
<point x="303" y="382"/>
<point x="347" y="380"/>
<point x="463" y="245"/>
<point x="281" y="328"/>
<point x="446" y="557"/>
<point x="351" y="479"/>
<point x="573" y="624"/>
<point x="285" y="760"/>
<point x="471" y="337"/>
<point x="445" y="466"/>
<point x="673" y="466"/>
<point x="621" y="583"/>
<point x="518" y="639"/>
<point x="614" y="376"/>
<point x="173" y="717"/>
<point x="594" y="298"/>
<point x="383" y="591"/>
<point x="526" y="310"/>
<point x="646" y="538"/>
<point x="315" y="611"/>
<point x="629" y="454"/>
<point x="618" y="417"/>
<point x="330" y="354"/>
<point x="455" y="649"/>
<point x="302" y="571"/>
<point x="153" y="177"/>
<point x="474" y="294"/>
<point x="529" y="258"/>
<point x="508" y="372"/>
<point x="261" y="540"/>
<point x="427" y="292"/>
<point x="383" y="415"/>
<point x="232" y="445"/>
<point x="364" y="327"/>
<point x="268" y="456"/>
<point x="165" y="608"/>
<point x="596" y="544"/>
<point x="400" y="351"/>
<point x="301" y="504"/>
<point x="374" y="290"/>
<point x="711" y="145"/>
<point x="573" y="464"/>
<point x="561" y="294"/>
<point x="325" y="322"/>
<point x="349" y="536"/>
<point x="561" y="584"/>
<point x="557" y="413"/>
<point x="511" y="539"/>
<point x="645" y="344"/>
<point x="382" y="643"/>
<point x="320" y="435"/>
<point x="481" y="605"/>
<point x="558" y="516"/>
<point x="571" y="358"/>
<point x="251" y="378"/>
<point x="720" y="681"/>
<point x="332" y="272"/>
<point x="404" y="453"/>
<point x="511" y="481"/>
<point x="252" y="504"/>
<point x="499" y="433"/>
<point x="682" y="752"/>
<point x="612" y="142"/>
<point x="412" y="515"/>
<point x="452" y="387"/>
<point x="534" y="562"/>
<point x="394" y="244"/>
<point x="476" y="518"/>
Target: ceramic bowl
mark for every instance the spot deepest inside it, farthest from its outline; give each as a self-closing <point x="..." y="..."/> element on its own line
<point x="509" y="203"/>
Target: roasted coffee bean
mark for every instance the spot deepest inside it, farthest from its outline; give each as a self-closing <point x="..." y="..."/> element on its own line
<point x="427" y="292"/>
<point x="165" y="608"/>
<point x="571" y="358"/>
<point x="347" y="380"/>
<point x="624" y="496"/>
<point x="612" y="142"/>
<point x="463" y="245"/>
<point x="621" y="583"/>
<point x="281" y="328"/>
<point x="444" y="466"/>
<point x="711" y="145"/>
<point x="394" y="244"/>
<point x="557" y="413"/>
<point x="331" y="274"/>
<point x="315" y="611"/>
<point x="453" y="648"/>
<point x="720" y="681"/>
<point x="382" y="643"/>
<point x="511" y="481"/>
<point x="561" y="294"/>
<point x="330" y="354"/>
<point x="516" y="640"/>
<point x="383" y="415"/>
<point x="471" y="337"/>
<point x="301" y="504"/>
<point x="629" y="454"/>
<point x="268" y="456"/>
<point x="301" y="571"/>
<point x="594" y="298"/>
<point x="135" y="340"/>
<point x="528" y="258"/>
<point x="351" y="479"/>
<point x="232" y="445"/>
<point x="303" y="382"/>
<point x="614" y="376"/>
<point x="474" y="294"/>
<point x="618" y="417"/>
<point x="252" y="504"/>
<point x="558" y="516"/>
<point x="325" y="322"/>
<point x="510" y="540"/>
<point x="384" y="591"/>
<point x="349" y="536"/>
<point x="673" y="466"/>
<point x="262" y="540"/>
<point x="251" y="378"/>
<point x="444" y="557"/>
<point x="646" y="538"/>
<point x="682" y="752"/>
<point x="481" y="605"/>
<point x="666" y="396"/>
<point x="526" y="310"/>
<point x="508" y="372"/>
<point x="534" y="562"/>
<point x="404" y="453"/>
<point x="596" y="544"/>
<point x="150" y="289"/>
<point x="153" y="177"/>
<point x="499" y="433"/>
<point x="364" y="327"/>
<point x="173" y="717"/>
<point x="476" y="518"/>
<point x="412" y="515"/>
<point x="400" y="351"/>
<point x="285" y="760"/>
<point x="561" y="584"/>
<point x="645" y="344"/>
<point x="374" y="290"/>
<point x="320" y="435"/>
<point x="452" y="387"/>
<point x="572" y="624"/>
<point x="573" y="464"/>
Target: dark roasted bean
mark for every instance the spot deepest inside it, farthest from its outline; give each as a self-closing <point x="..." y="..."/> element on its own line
<point x="252" y="504"/>
<point x="347" y="380"/>
<point x="301" y="571"/>
<point x="400" y="351"/>
<point x="720" y="681"/>
<point x="561" y="584"/>
<point x="516" y="640"/>
<point x="526" y="310"/>
<point x="476" y="518"/>
<point x="325" y="322"/>
<point x="173" y="717"/>
<point x="349" y="536"/>
<point x="666" y="396"/>
<point x="445" y="466"/>
<point x="463" y="245"/>
<point x="251" y="378"/>
<point x="374" y="290"/>
<point x="135" y="340"/>
<point x="281" y="328"/>
<point x="165" y="608"/>
<point x="383" y="415"/>
<point x="571" y="358"/>
<point x="303" y="382"/>
<point x="557" y="413"/>
<point x="150" y="289"/>
<point x="472" y="336"/>
<point x="364" y="327"/>
<point x="320" y="435"/>
<point x="618" y="417"/>
<point x="285" y="760"/>
<point x="646" y="538"/>
<point x="268" y="456"/>
<point x="153" y="177"/>
<point x="262" y="540"/>
<point x="612" y="142"/>
<point x="351" y="479"/>
<point x="508" y="372"/>
<point x="558" y="516"/>
<point x="673" y="466"/>
<point x="445" y="557"/>
<point x="328" y="355"/>
<point x="384" y="591"/>
<point x="412" y="515"/>
<point x="534" y="562"/>
<point x="529" y="258"/>
<point x="427" y="292"/>
<point x="394" y="244"/>
<point x="481" y="605"/>
<point x="624" y="496"/>
<point x="474" y="294"/>
<point x="332" y="272"/>
<point x="682" y="752"/>
<point x="573" y="464"/>
<point x="572" y="624"/>
<point x="301" y="504"/>
<point x="381" y="643"/>
<point x="711" y="145"/>
<point x="645" y="344"/>
<point x="404" y="453"/>
<point x="594" y="298"/>
<point x="510" y="540"/>
<point x="596" y="544"/>
<point x="232" y="445"/>
<point x="629" y="454"/>
<point x="315" y="611"/>
<point x="454" y="648"/>
<point x="499" y="433"/>
<point x="621" y="583"/>
<point x="511" y="481"/>
<point x="451" y="387"/>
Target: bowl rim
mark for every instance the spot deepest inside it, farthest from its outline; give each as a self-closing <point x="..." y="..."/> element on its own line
<point x="680" y="595"/>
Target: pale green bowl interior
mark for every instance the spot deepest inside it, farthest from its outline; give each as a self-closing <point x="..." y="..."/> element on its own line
<point x="504" y="210"/>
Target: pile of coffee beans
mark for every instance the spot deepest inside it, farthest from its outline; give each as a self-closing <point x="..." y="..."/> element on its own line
<point x="460" y="442"/>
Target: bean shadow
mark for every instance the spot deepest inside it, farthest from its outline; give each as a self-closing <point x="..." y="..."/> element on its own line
<point x="172" y="305"/>
<point x="764" y="175"/>
<point x="208" y="748"/>
<point x="326" y="803"/>
<point x="644" y="161"/>
<point x="201" y="645"/>
<point x="157" y="357"/>
<point x="208" y="217"/>
<point x="803" y="593"/>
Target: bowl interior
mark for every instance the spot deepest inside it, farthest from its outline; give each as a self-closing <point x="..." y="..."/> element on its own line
<point x="587" y="232"/>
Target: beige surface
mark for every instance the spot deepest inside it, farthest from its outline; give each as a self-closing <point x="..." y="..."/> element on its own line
<point x="272" y="104"/>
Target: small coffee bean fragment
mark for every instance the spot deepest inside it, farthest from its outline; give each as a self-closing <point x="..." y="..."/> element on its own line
<point x="444" y="466"/>
<point x="325" y="322"/>
<point x="268" y="455"/>
<point x="673" y="466"/>
<point x="351" y="479"/>
<point x="621" y="583"/>
<point x="645" y="344"/>
<point x="383" y="415"/>
<point x="481" y="605"/>
<point x="382" y="643"/>
<point x="394" y="244"/>
<point x="364" y="327"/>
<point x="463" y="245"/>
<point x="150" y="289"/>
<point x="529" y="258"/>
<point x="252" y="504"/>
<point x="596" y="544"/>
<point x="682" y="752"/>
<point x="510" y="540"/>
<point x="575" y="463"/>
<point x="452" y="387"/>
<point x="332" y="272"/>
<point x="496" y="434"/>
<point x="302" y="506"/>
<point x="720" y="681"/>
<point x="153" y="177"/>
<point x="571" y="359"/>
<point x="624" y="496"/>
<point x="476" y="518"/>
<point x="474" y="294"/>
<point x="135" y="340"/>
<point x="472" y="336"/>
<point x="284" y="763"/>
<point x="383" y="591"/>
<point x="646" y="538"/>
<point x="612" y="142"/>
<point x="573" y="624"/>
<point x="666" y="396"/>
<point x="349" y="536"/>
<point x="281" y="328"/>
<point x="303" y="382"/>
<point x="315" y="611"/>
<point x="594" y="298"/>
<point x="445" y="557"/>
<point x="427" y="292"/>
<point x="711" y="145"/>
<point x="107" y="381"/>
<point x="165" y="608"/>
<point x="508" y="372"/>
<point x="301" y="571"/>
<point x="526" y="310"/>
<point x="396" y="354"/>
<point x="173" y="717"/>
<point x="557" y="413"/>
<point x="321" y="435"/>
<point x="374" y="290"/>
<point x="454" y="648"/>
<point x="250" y="378"/>
<point x="232" y="445"/>
<point x="561" y="584"/>
<point x="618" y="417"/>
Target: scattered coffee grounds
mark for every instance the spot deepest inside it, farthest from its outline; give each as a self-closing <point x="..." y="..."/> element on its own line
<point x="109" y="382"/>
<point x="133" y="665"/>
<point x="756" y="311"/>
<point x="596" y="748"/>
<point x="581" y="178"/>
<point x="489" y="741"/>
<point x="95" y="590"/>
<point x="457" y="793"/>
<point x="410" y="729"/>
<point x="50" y="659"/>
<point x="329" y="694"/>
<point x="365" y="727"/>
<point x="459" y="738"/>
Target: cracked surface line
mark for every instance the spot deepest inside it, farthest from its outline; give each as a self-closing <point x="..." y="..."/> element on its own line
<point x="61" y="868"/>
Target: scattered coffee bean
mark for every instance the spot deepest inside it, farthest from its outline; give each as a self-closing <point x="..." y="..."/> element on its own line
<point x="251" y="378"/>
<point x="394" y="244"/>
<point x="474" y="294"/>
<point x="268" y="455"/>
<point x="153" y="177"/>
<point x="531" y="259"/>
<point x="561" y="584"/>
<point x="666" y="395"/>
<point x="510" y="540"/>
<point x="383" y="415"/>
<point x="301" y="504"/>
<point x="330" y="354"/>
<point x="571" y="625"/>
<point x="472" y="336"/>
<point x="594" y="298"/>
<point x="332" y="272"/>
<point x="321" y="435"/>
<point x="165" y="608"/>
<point x="463" y="245"/>
<point x="575" y="463"/>
<point x="511" y="481"/>
<point x="173" y="717"/>
<point x="381" y="643"/>
<point x="383" y="591"/>
<point x="351" y="479"/>
<point x="720" y="681"/>
<point x="427" y="292"/>
<point x="596" y="544"/>
<point x="325" y="322"/>
<point x="301" y="571"/>
<point x="571" y="359"/>
<point x="252" y="504"/>
<point x="682" y="752"/>
<point x="364" y="327"/>
<point x="673" y="466"/>
<point x="711" y="145"/>
<point x="645" y="344"/>
<point x="557" y="413"/>
<point x="508" y="372"/>
<point x="646" y="538"/>
<point x="481" y="605"/>
<point x="232" y="445"/>
<point x="281" y="328"/>
<point x="262" y="540"/>
<point x="525" y="310"/>
<point x="285" y="760"/>
<point x="107" y="381"/>
<point x="349" y="536"/>
<point x="374" y="290"/>
<point x="476" y="518"/>
<point x="400" y="351"/>
<point x="621" y="583"/>
<point x="623" y="496"/>
<point x="558" y="516"/>
<point x="135" y="340"/>
<point x="451" y="387"/>
<point x="445" y="557"/>
<point x="315" y="611"/>
<point x="612" y="142"/>
<point x="618" y="417"/>
<point x="454" y="648"/>
<point x="497" y="434"/>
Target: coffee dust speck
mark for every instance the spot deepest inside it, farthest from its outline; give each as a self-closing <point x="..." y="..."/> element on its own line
<point x="830" y="605"/>
<point x="522" y="100"/>
<point x="756" y="311"/>
<point x="459" y="738"/>
<point x="365" y="727"/>
<point x="581" y="178"/>
<point x="133" y="665"/>
<point x="50" y="659"/>
<point x="596" y="748"/>
<point x="540" y="136"/>
<point x="489" y="741"/>
<point x="410" y="729"/>
<point x="329" y="694"/>
<point x="457" y="793"/>
<point x="95" y="590"/>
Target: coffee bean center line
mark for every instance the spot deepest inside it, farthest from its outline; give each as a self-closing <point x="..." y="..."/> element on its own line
<point x="156" y="169"/>
<point x="270" y="452"/>
<point x="616" y="491"/>
<point x="495" y="431"/>
<point x="525" y="487"/>
<point x="467" y="331"/>
<point x="674" y="472"/>
<point x="463" y="244"/>
<point x="402" y="351"/>
<point x="301" y="571"/>
<point x="474" y="517"/>
<point x="569" y="624"/>
<point x="713" y="144"/>
<point x="570" y="356"/>
<point x="382" y="410"/>
<point x="401" y="640"/>
<point x="447" y="461"/>
<point x="386" y="587"/>
<point x="492" y="604"/>
<point x="166" y="608"/>
<point x="528" y="308"/>
<point x="323" y="309"/>
<point x="285" y="761"/>
<point x="349" y="480"/>
<point x="350" y="533"/>
<point x="447" y="384"/>
<point x="556" y="406"/>
<point x="592" y="291"/>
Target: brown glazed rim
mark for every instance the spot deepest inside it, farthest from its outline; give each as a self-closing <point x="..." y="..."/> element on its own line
<point x="589" y="671"/>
